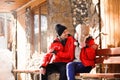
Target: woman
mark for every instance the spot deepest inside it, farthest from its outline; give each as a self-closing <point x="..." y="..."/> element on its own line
<point x="87" y="57"/>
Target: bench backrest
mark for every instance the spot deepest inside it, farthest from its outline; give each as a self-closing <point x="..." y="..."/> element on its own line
<point x="108" y="56"/>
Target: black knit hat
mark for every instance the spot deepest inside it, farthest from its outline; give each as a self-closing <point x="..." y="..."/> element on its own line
<point x="59" y="29"/>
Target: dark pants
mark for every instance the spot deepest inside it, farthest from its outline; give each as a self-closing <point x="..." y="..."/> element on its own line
<point x="76" y="67"/>
<point x="56" y="67"/>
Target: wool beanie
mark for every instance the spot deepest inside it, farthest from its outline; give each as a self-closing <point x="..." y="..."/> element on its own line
<point x="60" y="29"/>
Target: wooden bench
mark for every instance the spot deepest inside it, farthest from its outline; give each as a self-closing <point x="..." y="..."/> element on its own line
<point x="104" y="56"/>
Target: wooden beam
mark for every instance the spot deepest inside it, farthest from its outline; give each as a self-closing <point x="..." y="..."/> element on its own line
<point x="31" y="3"/>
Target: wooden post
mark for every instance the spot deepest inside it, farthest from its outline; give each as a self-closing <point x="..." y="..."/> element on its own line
<point x="14" y="13"/>
<point x="39" y="37"/>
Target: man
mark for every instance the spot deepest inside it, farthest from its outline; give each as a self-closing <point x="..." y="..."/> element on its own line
<point x="61" y="52"/>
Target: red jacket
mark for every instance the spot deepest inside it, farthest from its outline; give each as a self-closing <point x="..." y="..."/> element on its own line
<point x="64" y="53"/>
<point x="87" y="56"/>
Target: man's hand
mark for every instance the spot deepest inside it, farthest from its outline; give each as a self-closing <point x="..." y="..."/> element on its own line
<point x="42" y="70"/>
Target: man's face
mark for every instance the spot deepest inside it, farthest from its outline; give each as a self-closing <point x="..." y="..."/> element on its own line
<point x="64" y="34"/>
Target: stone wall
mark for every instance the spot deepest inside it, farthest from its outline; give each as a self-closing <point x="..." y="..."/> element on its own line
<point x="79" y="11"/>
<point x="59" y="11"/>
<point x="71" y="13"/>
<point x="85" y="12"/>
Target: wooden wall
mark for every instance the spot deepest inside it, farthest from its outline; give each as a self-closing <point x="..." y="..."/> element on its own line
<point x="110" y="13"/>
<point x="110" y="16"/>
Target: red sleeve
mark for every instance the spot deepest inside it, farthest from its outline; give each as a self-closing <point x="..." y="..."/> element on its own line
<point x="46" y="59"/>
<point x="90" y="53"/>
<point x="69" y="50"/>
<point x="56" y="46"/>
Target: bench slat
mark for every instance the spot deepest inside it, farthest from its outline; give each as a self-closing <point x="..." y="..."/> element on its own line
<point x="98" y="75"/>
<point x="108" y="52"/>
<point x="108" y="60"/>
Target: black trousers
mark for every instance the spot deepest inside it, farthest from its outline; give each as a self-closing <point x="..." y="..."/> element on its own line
<point x="55" y="67"/>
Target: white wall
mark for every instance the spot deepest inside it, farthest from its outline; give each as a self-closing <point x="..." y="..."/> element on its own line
<point x="3" y="39"/>
<point x="3" y="43"/>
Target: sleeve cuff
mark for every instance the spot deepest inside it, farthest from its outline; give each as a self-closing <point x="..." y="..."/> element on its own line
<point x="42" y="67"/>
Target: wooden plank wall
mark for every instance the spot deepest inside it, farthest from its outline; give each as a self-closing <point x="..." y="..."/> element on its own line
<point x="110" y="15"/>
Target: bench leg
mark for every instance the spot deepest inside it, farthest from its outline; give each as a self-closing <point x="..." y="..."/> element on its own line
<point x="40" y="77"/>
<point x="106" y="68"/>
<point x="35" y="77"/>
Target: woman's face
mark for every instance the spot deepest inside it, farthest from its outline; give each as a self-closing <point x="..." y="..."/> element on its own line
<point x="64" y="34"/>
